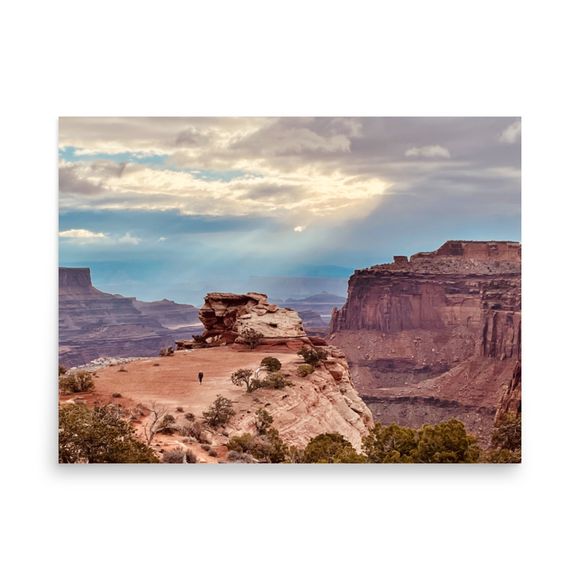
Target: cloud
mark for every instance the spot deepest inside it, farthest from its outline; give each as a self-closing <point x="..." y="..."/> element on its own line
<point x="83" y="235"/>
<point x="129" y="239"/>
<point x="512" y="133"/>
<point x="428" y="151"/>
<point x="299" y="229"/>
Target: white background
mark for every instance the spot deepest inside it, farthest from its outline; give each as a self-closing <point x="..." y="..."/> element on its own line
<point x="294" y="58"/>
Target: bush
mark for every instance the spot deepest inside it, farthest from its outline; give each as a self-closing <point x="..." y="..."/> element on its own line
<point x="79" y="382"/>
<point x="251" y="337"/>
<point x="331" y="448"/>
<point x="305" y="370"/>
<point x="263" y="421"/>
<point x="189" y="416"/>
<point x="168" y="351"/>
<point x="206" y="447"/>
<point x="99" y="435"/>
<point x="179" y="410"/>
<point x="61" y="370"/>
<point x="312" y="356"/>
<point x="272" y="381"/>
<point x="179" y="456"/>
<point x="194" y="430"/>
<point x="212" y="453"/>
<point x="268" y="448"/>
<point x="219" y="413"/>
<point x="446" y="442"/>
<point x="116" y="395"/>
<point x="271" y="364"/>
<point x="243" y="377"/>
<point x="507" y="433"/>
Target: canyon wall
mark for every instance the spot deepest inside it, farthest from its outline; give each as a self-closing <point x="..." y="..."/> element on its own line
<point x="437" y="335"/>
<point x="94" y="324"/>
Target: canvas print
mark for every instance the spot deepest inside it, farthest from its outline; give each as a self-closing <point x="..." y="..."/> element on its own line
<point x="289" y="290"/>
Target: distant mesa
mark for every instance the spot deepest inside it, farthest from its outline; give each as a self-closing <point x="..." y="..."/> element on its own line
<point x="94" y="324"/>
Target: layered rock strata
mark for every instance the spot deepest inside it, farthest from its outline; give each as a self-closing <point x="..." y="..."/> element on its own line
<point x="228" y="316"/>
<point x="94" y="324"/>
<point x="437" y="335"/>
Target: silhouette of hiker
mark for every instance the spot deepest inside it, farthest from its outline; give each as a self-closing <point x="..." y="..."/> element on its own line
<point x="200" y="376"/>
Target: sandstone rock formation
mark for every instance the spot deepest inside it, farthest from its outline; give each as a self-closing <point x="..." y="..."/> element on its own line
<point x="324" y="401"/>
<point x="226" y="316"/>
<point x="437" y="335"/>
<point x="94" y="324"/>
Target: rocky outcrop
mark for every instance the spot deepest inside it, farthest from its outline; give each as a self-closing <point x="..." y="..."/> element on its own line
<point x="323" y="402"/>
<point x="440" y="326"/>
<point x="227" y="316"/>
<point x="94" y="324"/>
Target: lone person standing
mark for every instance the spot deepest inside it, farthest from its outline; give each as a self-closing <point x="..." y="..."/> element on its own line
<point x="200" y="376"/>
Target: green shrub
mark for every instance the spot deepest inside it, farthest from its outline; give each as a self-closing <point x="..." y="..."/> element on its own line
<point x="251" y="337"/>
<point x="268" y="448"/>
<point x="263" y="421"/>
<point x="446" y="442"/>
<point x="271" y="364"/>
<point x="272" y="381"/>
<point x="219" y="413"/>
<point x="331" y="448"/>
<point x="79" y="382"/>
<point x="312" y="356"/>
<point x="243" y="378"/>
<point x="305" y="370"/>
<point x="99" y="435"/>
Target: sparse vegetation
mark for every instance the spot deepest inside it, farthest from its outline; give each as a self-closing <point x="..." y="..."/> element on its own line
<point x="179" y="410"/>
<point x="263" y="421"/>
<point x="159" y="421"/>
<point x="272" y="381"/>
<point x="271" y="364"/>
<point x="251" y="337"/>
<point x="116" y="395"/>
<point x="243" y="378"/>
<point x="99" y="435"/>
<point x="331" y="448"/>
<point x="312" y="356"/>
<point x="219" y="413"/>
<point x="506" y="440"/>
<point x="266" y="448"/>
<point x="167" y="351"/>
<point x="79" y="382"/>
<point x="305" y="370"/>
<point x="179" y="456"/>
<point x="446" y="442"/>
<point x="61" y="370"/>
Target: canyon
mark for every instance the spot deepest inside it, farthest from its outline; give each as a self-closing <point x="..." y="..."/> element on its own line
<point x="94" y="324"/>
<point x="322" y="401"/>
<point x="436" y="335"/>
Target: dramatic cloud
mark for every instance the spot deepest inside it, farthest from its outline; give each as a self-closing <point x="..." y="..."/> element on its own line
<point x="512" y="133"/>
<point x="210" y="201"/>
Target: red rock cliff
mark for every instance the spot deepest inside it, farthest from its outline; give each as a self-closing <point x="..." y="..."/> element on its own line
<point x="442" y="325"/>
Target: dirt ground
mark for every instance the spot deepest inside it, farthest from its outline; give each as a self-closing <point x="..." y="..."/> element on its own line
<point x="172" y="383"/>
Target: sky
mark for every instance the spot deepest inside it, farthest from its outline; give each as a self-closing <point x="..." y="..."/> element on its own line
<point x="176" y="207"/>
